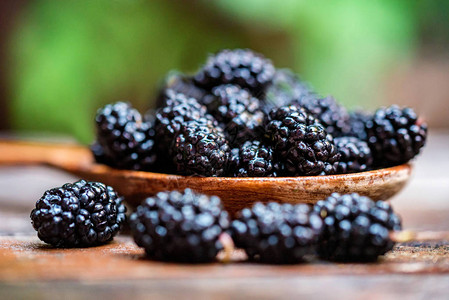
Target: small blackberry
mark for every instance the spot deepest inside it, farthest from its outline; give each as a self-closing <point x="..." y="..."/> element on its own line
<point x="277" y="233"/>
<point x="355" y="227"/>
<point x="256" y="160"/>
<point x="239" y="112"/>
<point x="81" y="214"/>
<point x="201" y="149"/>
<point x="357" y="121"/>
<point x="300" y="142"/>
<point x="285" y="88"/>
<point x="395" y="135"/>
<point x="355" y="155"/>
<point x="126" y="141"/>
<point x="242" y="67"/>
<point x="328" y="112"/>
<point x="180" y="226"/>
<point x="181" y="84"/>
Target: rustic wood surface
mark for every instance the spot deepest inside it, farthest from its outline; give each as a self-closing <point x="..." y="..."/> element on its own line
<point x="235" y="193"/>
<point x="119" y="270"/>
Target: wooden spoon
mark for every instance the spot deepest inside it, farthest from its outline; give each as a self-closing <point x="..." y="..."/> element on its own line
<point x="236" y="193"/>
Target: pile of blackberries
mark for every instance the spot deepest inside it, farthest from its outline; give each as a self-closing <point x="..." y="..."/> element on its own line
<point x="240" y="116"/>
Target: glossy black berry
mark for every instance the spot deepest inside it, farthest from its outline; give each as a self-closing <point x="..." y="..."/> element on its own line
<point x="355" y="155"/>
<point x="81" y="214"/>
<point x="300" y="142"/>
<point x="124" y="140"/>
<point x="200" y="149"/>
<point x="357" y="121"/>
<point x="180" y="226"/>
<point x="356" y="228"/>
<point x="257" y="160"/>
<point x="277" y="233"/>
<point x="242" y="67"/>
<point x="395" y="135"/>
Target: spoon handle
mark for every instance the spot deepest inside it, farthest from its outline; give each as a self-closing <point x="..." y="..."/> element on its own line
<point x="33" y="153"/>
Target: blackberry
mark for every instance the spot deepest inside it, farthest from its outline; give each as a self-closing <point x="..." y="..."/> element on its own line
<point x="233" y="162"/>
<point x="277" y="233"/>
<point x="357" y="121"/>
<point x="285" y="88"/>
<point x="329" y="113"/>
<point x="126" y="141"/>
<point x="181" y="84"/>
<point x="180" y="226"/>
<point x="355" y="155"/>
<point x="242" y="67"/>
<point x="99" y="154"/>
<point x="395" y="135"/>
<point x="301" y="142"/>
<point x="179" y="109"/>
<point x="239" y="112"/>
<point x="81" y="214"/>
<point x="256" y="160"/>
<point x="201" y="149"/>
<point x="356" y="228"/>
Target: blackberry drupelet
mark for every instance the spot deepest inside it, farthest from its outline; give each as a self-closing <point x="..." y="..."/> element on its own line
<point x="201" y="149"/>
<point x="242" y="67"/>
<point x="300" y="142"/>
<point x="181" y="84"/>
<point x="239" y="113"/>
<point x="328" y="112"/>
<point x="355" y="155"/>
<point x="285" y="88"/>
<point x="357" y="121"/>
<point x="395" y="135"/>
<point x="180" y="226"/>
<point x="257" y="160"/>
<point x="356" y="228"/>
<point x="277" y="233"/>
<point x="233" y="162"/>
<point x="81" y="214"/>
<point x="126" y="141"/>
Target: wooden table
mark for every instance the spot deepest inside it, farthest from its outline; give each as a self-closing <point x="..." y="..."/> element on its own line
<point x="30" y="269"/>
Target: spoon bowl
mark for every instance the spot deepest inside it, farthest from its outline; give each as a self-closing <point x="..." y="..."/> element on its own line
<point x="235" y="192"/>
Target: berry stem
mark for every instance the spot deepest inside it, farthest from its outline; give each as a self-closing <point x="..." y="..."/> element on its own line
<point x="408" y="236"/>
<point x="228" y="247"/>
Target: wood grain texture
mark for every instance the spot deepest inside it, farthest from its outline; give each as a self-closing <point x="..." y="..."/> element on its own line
<point x="236" y="193"/>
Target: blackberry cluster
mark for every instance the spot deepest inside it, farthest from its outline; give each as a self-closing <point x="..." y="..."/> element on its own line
<point x="239" y="97"/>
<point x="256" y="160"/>
<point x="201" y="149"/>
<point x="328" y="112"/>
<point x="124" y="140"/>
<point x="355" y="155"/>
<point x="395" y="135"/>
<point x="355" y="227"/>
<point x="277" y="233"/>
<point x="284" y="90"/>
<point x="81" y="214"/>
<point x="301" y="142"/>
<point x="180" y="226"/>
<point x="242" y="67"/>
<point x="239" y="113"/>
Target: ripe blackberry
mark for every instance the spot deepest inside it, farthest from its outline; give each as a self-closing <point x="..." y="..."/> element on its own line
<point x="395" y="135"/>
<point x="356" y="228"/>
<point x="239" y="112"/>
<point x="357" y="121"/>
<point x="201" y="149"/>
<point x="285" y="88"/>
<point x="181" y="84"/>
<point x="300" y="142"/>
<point x="256" y="160"/>
<point x="242" y="67"/>
<point x="233" y="162"/>
<point x="126" y="141"/>
<point x="180" y="226"/>
<point x="355" y="155"/>
<point x="81" y="214"/>
<point x="277" y="233"/>
<point x="328" y="112"/>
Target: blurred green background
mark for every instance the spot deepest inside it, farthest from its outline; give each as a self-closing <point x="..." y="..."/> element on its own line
<point x="61" y="60"/>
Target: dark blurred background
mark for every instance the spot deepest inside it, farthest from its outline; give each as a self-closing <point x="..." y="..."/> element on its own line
<point x="61" y="60"/>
